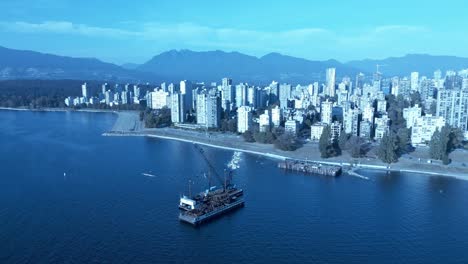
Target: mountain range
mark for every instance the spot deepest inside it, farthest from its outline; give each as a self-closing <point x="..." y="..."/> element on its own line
<point x="211" y="66"/>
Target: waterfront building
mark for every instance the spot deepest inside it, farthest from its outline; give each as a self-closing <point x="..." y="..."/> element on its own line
<point x="410" y="114"/>
<point x="381" y="126"/>
<point x="227" y="94"/>
<point x="136" y="91"/>
<point x="68" y="101"/>
<point x="109" y="97"/>
<point x="124" y="97"/>
<point x="326" y="112"/>
<point x="351" y="121"/>
<point x="84" y="90"/>
<point x="213" y="109"/>
<point x="335" y="129"/>
<point x="177" y="113"/>
<point x="264" y="121"/>
<point x="316" y="131"/>
<point x="424" y="127"/>
<point x="201" y="105"/>
<point x="157" y="99"/>
<point x="291" y="126"/>
<point x="276" y="116"/>
<point x="244" y="118"/>
<point x="365" y="129"/>
<point x="104" y="88"/>
<point x="452" y="105"/>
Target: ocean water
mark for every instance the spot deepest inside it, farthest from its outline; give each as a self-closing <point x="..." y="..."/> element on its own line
<point x="70" y="195"/>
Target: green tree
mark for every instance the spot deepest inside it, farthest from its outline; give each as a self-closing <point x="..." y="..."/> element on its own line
<point x="343" y="140"/>
<point x="324" y="142"/>
<point x="387" y="151"/>
<point x="264" y="137"/>
<point x="287" y="142"/>
<point x="404" y="140"/>
<point x="248" y="136"/>
<point x="328" y="147"/>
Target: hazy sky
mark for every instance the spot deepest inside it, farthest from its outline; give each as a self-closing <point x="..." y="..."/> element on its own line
<point x="133" y="31"/>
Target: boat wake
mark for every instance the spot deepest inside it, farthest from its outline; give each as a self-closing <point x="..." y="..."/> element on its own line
<point x="235" y="160"/>
<point x="355" y="174"/>
<point x="148" y="175"/>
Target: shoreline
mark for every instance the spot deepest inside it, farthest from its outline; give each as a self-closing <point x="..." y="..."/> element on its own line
<point x="128" y="124"/>
<point x="353" y="167"/>
<point x="85" y="110"/>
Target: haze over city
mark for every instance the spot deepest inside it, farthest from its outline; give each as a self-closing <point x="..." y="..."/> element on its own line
<point x="317" y="30"/>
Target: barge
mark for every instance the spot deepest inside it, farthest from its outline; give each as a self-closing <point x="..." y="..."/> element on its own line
<point x="310" y="167"/>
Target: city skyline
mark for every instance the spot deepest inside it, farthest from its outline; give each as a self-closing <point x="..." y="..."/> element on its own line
<point x="317" y="31"/>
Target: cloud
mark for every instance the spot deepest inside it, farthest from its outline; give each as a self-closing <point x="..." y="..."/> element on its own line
<point x="311" y="42"/>
<point x="64" y="27"/>
<point x="400" y="28"/>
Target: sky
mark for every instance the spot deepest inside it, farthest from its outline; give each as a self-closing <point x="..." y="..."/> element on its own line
<point x="121" y="31"/>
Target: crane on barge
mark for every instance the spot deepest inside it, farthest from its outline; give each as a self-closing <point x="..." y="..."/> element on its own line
<point x="214" y="201"/>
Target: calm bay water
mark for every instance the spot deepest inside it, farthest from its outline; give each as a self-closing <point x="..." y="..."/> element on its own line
<point x="105" y="211"/>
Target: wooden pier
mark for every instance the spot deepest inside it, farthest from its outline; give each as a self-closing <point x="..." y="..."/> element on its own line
<point x="310" y="167"/>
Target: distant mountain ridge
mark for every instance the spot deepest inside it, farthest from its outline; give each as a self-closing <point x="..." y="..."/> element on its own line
<point x="214" y="65"/>
<point x="22" y="64"/>
<point x="210" y="66"/>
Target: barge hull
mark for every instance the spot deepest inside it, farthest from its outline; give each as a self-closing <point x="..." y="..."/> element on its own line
<point x="196" y="220"/>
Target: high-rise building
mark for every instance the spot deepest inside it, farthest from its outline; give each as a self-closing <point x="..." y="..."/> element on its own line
<point x="360" y="80"/>
<point x="351" y="121"/>
<point x="177" y="113"/>
<point x="365" y="129"/>
<point x="424" y="127"/>
<point x="452" y="105"/>
<point x="368" y="113"/>
<point x="244" y="119"/>
<point x="157" y="99"/>
<point x="276" y="116"/>
<point x="395" y="83"/>
<point x="227" y="94"/>
<point x="382" y="106"/>
<point x="251" y="94"/>
<point x="284" y="95"/>
<point x="405" y="88"/>
<point x="124" y="96"/>
<point x="84" y="90"/>
<point x="316" y="131"/>
<point x="410" y="114"/>
<point x="381" y="126"/>
<point x="335" y="129"/>
<point x="201" y="105"/>
<point x="241" y="94"/>
<point x="209" y="108"/>
<point x="291" y="126"/>
<point x="326" y="112"/>
<point x="415" y="81"/>
<point x="226" y="82"/>
<point x="331" y="81"/>
<point x="104" y="88"/>
<point x="136" y="91"/>
<point x="264" y="121"/>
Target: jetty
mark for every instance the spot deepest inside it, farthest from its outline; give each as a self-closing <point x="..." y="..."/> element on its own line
<point x="310" y="167"/>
